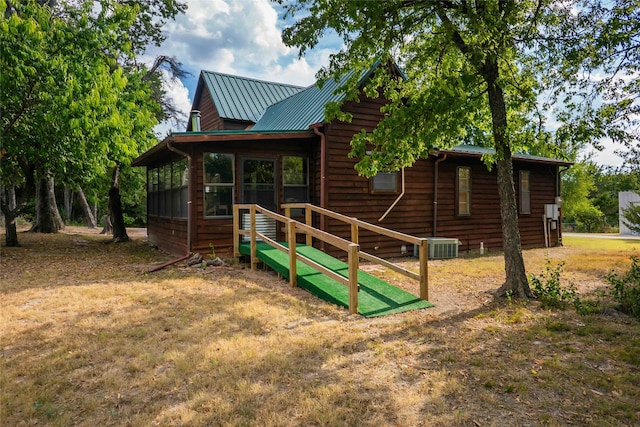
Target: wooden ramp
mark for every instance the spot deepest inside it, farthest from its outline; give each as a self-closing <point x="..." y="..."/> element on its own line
<point x="375" y="298"/>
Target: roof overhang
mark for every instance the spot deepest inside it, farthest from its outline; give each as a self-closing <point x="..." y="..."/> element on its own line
<point x="478" y="152"/>
<point x="180" y="138"/>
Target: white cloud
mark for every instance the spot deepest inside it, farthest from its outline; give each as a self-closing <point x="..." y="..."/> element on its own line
<point x="241" y="37"/>
<point x="227" y="35"/>
<point x="180" y="95"/>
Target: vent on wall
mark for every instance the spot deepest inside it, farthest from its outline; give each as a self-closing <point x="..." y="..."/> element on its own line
<point x="440" y="248"/>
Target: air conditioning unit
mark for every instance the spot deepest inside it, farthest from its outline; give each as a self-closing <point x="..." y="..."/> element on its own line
<point x="264" y="225"/>
<point x="439" y="248"/>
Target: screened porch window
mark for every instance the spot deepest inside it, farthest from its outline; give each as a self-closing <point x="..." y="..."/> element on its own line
<point x="218" y="184"/>
<point x="167" y="190"/>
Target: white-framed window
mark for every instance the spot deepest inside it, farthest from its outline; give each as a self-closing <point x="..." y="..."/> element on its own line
<point x="463" y="190"/>
<point x="525" y="192"/>
<point x="219" y="180"/>
<point x="295" y="180"/>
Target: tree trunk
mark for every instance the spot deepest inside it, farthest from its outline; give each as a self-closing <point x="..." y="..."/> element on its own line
<point x="11" y="238"/>
<point x="115" y="210"/>
<point x="68" y="203"/>
<point x="516" y="283"/>
<point x="91" y="220"/>
<point x="48" y="219"/>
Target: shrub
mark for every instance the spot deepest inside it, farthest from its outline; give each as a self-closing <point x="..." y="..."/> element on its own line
<point x="589" y="218"/>
<point x="625" y="289"/>
<point x="550" y="291"/>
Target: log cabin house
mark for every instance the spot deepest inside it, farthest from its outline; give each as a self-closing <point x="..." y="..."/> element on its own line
<point x="252" y="141"/>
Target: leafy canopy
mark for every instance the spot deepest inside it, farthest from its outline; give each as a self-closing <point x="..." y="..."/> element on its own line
<point x="73" y="100"/>
<point x="453" y="52"/>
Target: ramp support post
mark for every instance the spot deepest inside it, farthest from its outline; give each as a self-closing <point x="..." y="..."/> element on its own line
<point x="291" y="237"/>
<point x="424" y="269"/>
<point x="254" y="257"/>
<point x="353" y="260"/>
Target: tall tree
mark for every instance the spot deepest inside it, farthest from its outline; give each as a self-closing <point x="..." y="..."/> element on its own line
<point x="74" y="102"/>
<point x="472" y="66"/>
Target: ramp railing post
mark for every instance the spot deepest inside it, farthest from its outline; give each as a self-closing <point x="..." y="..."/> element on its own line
<point x="236" y="231"/>
<point x="308" y="219"/>
<point x="353" y="277"/>
<point x="354" y="231"/>
<point x="291" y="235"/>
<point x="254" y="260"/>
<point x="424" y="269"/>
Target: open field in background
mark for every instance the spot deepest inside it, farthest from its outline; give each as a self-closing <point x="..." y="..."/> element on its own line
<point x="89" y="339"/>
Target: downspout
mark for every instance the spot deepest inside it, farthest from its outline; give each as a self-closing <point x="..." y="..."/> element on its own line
<point x="189" y="205"/>
<point x="435" y="192"/>
<point x="396" y="201"/>
<point x="559" y="199"/>
<point x="323" y="147"/>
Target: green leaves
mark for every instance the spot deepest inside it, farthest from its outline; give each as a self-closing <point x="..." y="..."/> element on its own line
<point x="67" y="105"/>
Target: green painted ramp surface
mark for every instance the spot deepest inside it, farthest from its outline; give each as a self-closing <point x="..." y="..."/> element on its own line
<point x="376" y="297"/>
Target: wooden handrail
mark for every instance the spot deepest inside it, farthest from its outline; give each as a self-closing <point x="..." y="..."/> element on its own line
<point x="292" y="228"/>
<point x="351" y="220"/>
<point x="356" y="224"/>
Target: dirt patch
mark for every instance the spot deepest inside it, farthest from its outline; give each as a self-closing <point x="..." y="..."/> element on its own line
<point x="90" y="338"/>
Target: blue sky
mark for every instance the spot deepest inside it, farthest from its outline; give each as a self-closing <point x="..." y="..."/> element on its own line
<point x="243" y="37"/>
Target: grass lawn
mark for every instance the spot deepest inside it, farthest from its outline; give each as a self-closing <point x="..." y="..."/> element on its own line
<point x="89" y="339"/>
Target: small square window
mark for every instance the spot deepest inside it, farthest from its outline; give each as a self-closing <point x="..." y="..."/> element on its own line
<point x="385" y="182"/>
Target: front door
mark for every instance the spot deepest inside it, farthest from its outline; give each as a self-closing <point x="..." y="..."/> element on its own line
<point x="259" y="182"/>
<point x="259" y="187"/>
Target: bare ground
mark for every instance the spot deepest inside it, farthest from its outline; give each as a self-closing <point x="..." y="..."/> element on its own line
<point x="88" y="338"/>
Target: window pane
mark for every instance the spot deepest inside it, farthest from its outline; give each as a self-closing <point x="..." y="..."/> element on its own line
<point x="385" y="181"/>
<point x="163" y="184"/>
<point x="464" y="190"/>
<point x="153" y="179"/>
<point x="153" y="204"/>
<point x="184" y="168"/>
<point x="294" y="171"/>
<point x="218" y="200"/>
<point x="176" y="203"/>
<point x="183" y="205"/>
<point x="176" y="175"/>
<point x="218" y="168"/>
<point x="525" y="192"/>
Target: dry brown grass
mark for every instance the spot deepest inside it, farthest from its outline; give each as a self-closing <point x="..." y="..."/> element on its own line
<point x="88" y="339"/>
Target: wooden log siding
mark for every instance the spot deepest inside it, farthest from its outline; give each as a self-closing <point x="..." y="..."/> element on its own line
<point x="219" y="231"/>
<point x="170" y="235"/>
<point x="349" y="194"/>
<point x="209" y="117"/>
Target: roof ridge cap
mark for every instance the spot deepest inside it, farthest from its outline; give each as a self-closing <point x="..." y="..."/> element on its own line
<point x="251" y="79"/>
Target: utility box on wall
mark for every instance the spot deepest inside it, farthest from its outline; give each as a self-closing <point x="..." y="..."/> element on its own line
<point x="551" y="211"/>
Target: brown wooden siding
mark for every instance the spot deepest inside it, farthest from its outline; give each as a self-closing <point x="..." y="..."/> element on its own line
<point x="209" y="117"/>
<point x="219" y="231"/>
<point x="168" y="234"/>
<point x="350" y="195"/>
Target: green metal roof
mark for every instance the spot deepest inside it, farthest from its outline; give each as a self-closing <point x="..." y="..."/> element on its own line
<point x="475" y="150"/>
<point x="306" y="107"/>
<point x="299" y="111"/>
<point x="242" y="98"/>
